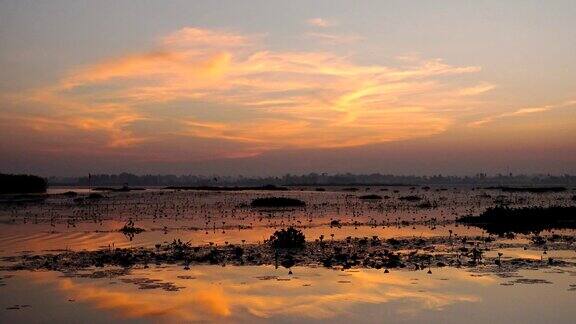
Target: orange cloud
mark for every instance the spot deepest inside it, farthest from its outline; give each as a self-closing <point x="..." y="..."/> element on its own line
<point x="334" y="39"/>
<point x="220" y="295"/>
<point x="522" y="112"/>
<point x="265" y="99"/>
<point x="198" y="38"/>
<point x="320" y="22"/>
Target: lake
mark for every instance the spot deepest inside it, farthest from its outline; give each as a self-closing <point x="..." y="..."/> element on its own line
<point x="206" y="256"/>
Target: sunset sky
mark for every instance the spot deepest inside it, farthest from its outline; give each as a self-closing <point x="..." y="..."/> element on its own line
<point x="269" y="87"/>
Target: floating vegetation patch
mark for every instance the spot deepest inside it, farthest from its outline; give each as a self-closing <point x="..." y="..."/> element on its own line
<point x="70" y="194"/>
<point x="527" y="281"/>
<point x="409" y="253"/>
<point x="121" y="189"/>
<point x="370" y="197"/>
<point x="410" y="198"/>
<point x="529" y="189"/>
<point x="277" y="202"/>
<point x="427" y="205"/>
<point x="17" y="307"/>
<point x="130" y="228"/>
<point x="95" y="196"/>
<point x="20" y="199"/>
<point x="186" y="277"/>
<point x="500" y="220"/>
<point x="217" y="188"/>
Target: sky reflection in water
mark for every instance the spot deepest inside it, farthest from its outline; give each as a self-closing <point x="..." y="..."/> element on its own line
<point x="240" y="294"/>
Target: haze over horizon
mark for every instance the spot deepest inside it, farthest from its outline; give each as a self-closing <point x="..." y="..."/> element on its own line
<point x="271" y="87"/>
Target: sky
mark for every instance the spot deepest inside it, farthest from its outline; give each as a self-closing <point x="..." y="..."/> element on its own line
<point x="274" y="87"/>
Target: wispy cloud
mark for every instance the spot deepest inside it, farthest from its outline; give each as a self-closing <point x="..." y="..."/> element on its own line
<point x="522" y="112"/>
<point x="477" y="89"/>
<point x="336" y="39"/>
<point x="233" y="89"/>
<point x="321" y="22"/>
<point x="203" y="301"/>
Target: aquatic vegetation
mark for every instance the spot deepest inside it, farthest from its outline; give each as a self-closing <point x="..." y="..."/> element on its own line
<point x="121" y="189"/>
<point x="288" y="238"/>
<point x="370" y="197"/>
<point x="410" y="198"/>
<point x="95" y="196"/>
<point x="529" y="189"/>
<point x="409" y="253"/>
<point x="316" y="180"/>
<point x="20" y="199"/>
<point x="130" y="228"/>
<point x="331" y="218"/>
<point x="393" y="241"/>
<point x="427" y="204"/>
<point x="538" y="240"/>
<point x="224" y="188"/>
<point x="288" y="262"/>
<point x="501" y="219"/>
<point x="476" y="255"/>
<point x="277" y="202"/>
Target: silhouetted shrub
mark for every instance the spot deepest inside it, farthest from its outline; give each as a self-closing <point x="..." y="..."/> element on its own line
<point x="288" y="238"/>
<point x="22" y="183"/>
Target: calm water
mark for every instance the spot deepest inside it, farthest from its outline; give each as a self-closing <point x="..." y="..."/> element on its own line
<point x="256" y="294"/>
<point x="249" y="294"/>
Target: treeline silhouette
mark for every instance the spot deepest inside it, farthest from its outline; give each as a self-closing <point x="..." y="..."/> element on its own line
<point x="22" y="183"/>
<point x="315" y="179"/>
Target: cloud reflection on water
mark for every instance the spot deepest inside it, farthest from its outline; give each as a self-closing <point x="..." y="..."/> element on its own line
<point x="234" y="293"/>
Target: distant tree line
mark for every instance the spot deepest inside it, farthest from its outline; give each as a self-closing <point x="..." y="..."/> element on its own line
<point x="22" y="183"/>
<point x="316" y="179"/>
